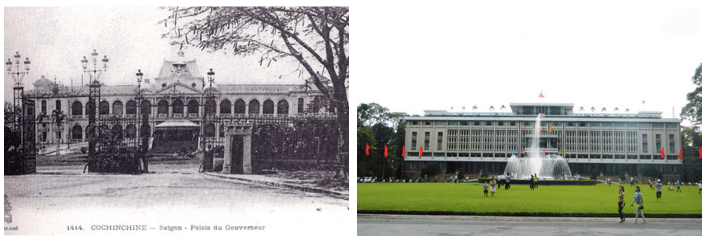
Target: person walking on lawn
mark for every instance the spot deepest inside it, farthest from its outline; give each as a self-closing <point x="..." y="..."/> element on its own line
<point x="507" y="182"/>
<point x="621" y="203"/>
<point x="638" y="199"/>
<point x="492" y="186"/>
<point x="658" y="186"/>
<point x="678" y="186"/>
<point x="485" y="189"/>
<point x="536" y="181"/>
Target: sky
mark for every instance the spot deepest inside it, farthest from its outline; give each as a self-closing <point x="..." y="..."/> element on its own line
<point x="593" y="55"/>
<point x="55" y="39"/>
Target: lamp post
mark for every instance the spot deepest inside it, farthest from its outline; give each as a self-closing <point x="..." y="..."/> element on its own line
<point x="93" y="98"/>
<point x="209" y="97"/>
<point x="142" y="131"/>
<point x="17" y="76"/>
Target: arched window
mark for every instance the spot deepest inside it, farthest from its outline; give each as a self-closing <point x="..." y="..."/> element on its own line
<point x="77" y="108"/>
<point x="300" y="105"/>
<point x="225" y="106"/>
<point x="58" y="105"/>
<point x="130" y="131"/>
<point x="146" y="107"/>
<point x="104" y="108"/>
<point x="162" y="107"/>
<point x="117" y="108"/>
<point x="239" y="106"/>
<point x="254" y="107"/>
<point x="193" y="106"/>
<point x="131" y="107"/>
<point x="77" y="132"/>
<point x="282" y="107"/>
<point x="331" y="109"/>
<point x="211" y="107"/>
<point x="268" y="107"/>
<point x="209" y="130"/>
<point x="178" y="107"/>
<point x="44" y="106"/>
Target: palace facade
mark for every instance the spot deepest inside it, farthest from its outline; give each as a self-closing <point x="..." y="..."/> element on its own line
<point x="612" y="143"/>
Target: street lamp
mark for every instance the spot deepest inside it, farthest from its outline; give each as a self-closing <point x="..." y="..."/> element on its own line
<point x="96" y="71"/>
<point x="139" y="83"/>
<point x="18" y="88"/>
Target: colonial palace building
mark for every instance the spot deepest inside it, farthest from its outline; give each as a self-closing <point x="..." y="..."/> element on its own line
<point x="173" y="99"/>
<point x="612" y="143"/>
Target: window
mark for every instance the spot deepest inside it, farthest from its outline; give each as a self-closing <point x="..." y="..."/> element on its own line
<point x="414" y="140"/>
<point x="146" y="107"/>
<point x="131" y="107"/>
<point x="239" y="107"/>
<point x="44" y="106"/>
<point x="268" y="107"/>
<point x="500" y="123"/>
<point x="644" y="143"/>
<point x="225" y="106"/>
<point x="413" y="123"/>
<point x="440" y="123"/>
<point x="76" y="108"/>
<point x="464" y="123"/>
<point x="178" y="107"/>
<point x="300" y="105"/>
<point x="103" y="108"/>
<point x="632" y="125"/>
<point x="76" y="132"/>
<point x="488" y="123"/>
<point x="426" y="140"/>
<point x="162" y="107"/>
<point x="453" y="123"/>
<point x="117" y="108"/>
<point x="658" y="142"/>
<point x="254" y="107"/>
<point x="282" y="107"/>
<point x="439" y="140"/>
<point x="672" y="149"/>
<point x="58" y="105"/>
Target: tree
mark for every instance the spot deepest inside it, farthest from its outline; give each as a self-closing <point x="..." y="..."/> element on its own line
<point x="691" y="136"/>
<point x="692" y="110"/>
<point x="316" y="37"/>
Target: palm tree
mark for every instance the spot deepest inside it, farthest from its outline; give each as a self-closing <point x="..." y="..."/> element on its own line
<point x="627" y="110"/>
<point x="581" y="109"/>
<point x="492" y="108"/>
<point x="474" y="108"/>
<point x="616" y="109"/>
<point x="593" y="109"/>
<point x="58" y="117"/>
<point x="502" y="107"/>
<point x="603" y="109"/>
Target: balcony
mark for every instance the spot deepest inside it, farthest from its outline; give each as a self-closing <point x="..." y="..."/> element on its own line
<point x="162" y="115"/>
<point x="177" y="115"/>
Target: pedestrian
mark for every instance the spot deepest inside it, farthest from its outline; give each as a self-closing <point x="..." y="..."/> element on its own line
<point x="699" y="187"/>
<point x="531" y="182"/>
<point x="671" y="186"/>
<point x="658" y="186"/>
<point x="536" y="181"/>
<point x="632" y="181"/>
<point x="638" y="198"/>
<point x="649" y="182"/>
<point x="621" y="203"/>
<point x="608" y="182"/>
<point x="493" y="182"/>
<point x="507" y="182"/>
<point x="678" y="186"/>
<point x="485" y="189"/>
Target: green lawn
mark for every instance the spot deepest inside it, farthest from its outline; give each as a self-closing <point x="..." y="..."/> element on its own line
<point x="462" y="198"/>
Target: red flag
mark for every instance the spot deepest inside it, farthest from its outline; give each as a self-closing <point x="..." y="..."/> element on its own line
<point x="540" y="94"/>
<point x="680" y="155"/>
<point x="385" y="150"/>
<point x="367" y="149"/>
<point x="661" y="153"/>
<point x="420" y="151"/>
<point x="525" y="128"/>
<point x="523" y="150"/>
<point x="699" y="153"/>
<point x="403" y="151"/>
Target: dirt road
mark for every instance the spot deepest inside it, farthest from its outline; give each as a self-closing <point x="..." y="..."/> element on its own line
<point x="173" y="196"/>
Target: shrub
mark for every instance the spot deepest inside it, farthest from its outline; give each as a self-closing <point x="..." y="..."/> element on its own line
<point x="84" y="150"/>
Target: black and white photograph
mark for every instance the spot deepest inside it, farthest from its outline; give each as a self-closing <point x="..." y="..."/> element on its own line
<point x="200" y="121"/>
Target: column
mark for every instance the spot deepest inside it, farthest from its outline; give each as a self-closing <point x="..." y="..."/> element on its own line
<point x="247" y="109"/>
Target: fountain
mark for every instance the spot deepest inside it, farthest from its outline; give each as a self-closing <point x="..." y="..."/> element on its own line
<point x="547" y="167"/>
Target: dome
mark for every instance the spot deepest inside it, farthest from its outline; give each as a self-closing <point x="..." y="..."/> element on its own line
<point x="43" y="82"/>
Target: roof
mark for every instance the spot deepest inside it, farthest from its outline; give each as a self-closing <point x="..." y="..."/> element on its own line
<point x="176" y="123"/>
<point x="43" y="82"/>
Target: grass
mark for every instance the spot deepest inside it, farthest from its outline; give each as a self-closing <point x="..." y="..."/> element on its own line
<point x="459" y="198"/>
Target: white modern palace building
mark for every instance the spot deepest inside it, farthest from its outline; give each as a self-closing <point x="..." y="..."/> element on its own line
<point x="613" y="143"/>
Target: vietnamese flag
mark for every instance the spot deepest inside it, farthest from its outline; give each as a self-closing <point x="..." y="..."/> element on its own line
<point x="661" y="153"/>
<point x="523" y="151"/>
<point x="680" y="153"/>
<point x="420" y="151"/>
<point x="403" y="151"/>
<point x="385" y="150"/>
<point x="367" y="149"/>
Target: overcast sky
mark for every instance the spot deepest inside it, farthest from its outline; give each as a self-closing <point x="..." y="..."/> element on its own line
<point x="56" y="38"/>
<point x="594" y="54"/>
